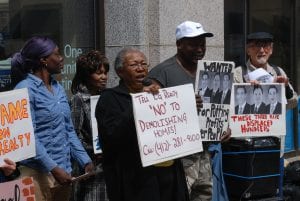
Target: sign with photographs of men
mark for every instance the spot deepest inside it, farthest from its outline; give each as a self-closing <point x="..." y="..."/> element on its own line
<point x="213" y="84"/>
<point x="258" y="110"/>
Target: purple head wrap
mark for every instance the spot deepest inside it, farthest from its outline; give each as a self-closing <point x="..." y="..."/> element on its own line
<point x="34" y="49"/>
<point x="28" y="59"/>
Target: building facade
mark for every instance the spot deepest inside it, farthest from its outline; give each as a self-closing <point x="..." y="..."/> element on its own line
<point x="109" y="25"/>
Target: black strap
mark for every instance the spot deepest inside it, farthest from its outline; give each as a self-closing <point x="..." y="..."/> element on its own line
<point x="276" y="68"/>
<point x="244" y="72"/>
<point x="289" y="93"/>
<point x="13" y="175"/>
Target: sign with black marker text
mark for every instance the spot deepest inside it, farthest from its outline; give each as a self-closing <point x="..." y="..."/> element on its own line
<point x="213" y="84"/>
<point x="167" y="124"/>
<point x="18" y="190"/>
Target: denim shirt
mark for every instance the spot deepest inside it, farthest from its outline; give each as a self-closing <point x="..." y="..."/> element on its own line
<point x="56" y="140"/>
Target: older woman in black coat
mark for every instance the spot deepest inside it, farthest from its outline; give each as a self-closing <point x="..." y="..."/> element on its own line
<point x="126" y="178"/>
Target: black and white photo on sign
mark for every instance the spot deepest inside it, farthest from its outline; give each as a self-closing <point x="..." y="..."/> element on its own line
<point x="215" y="87"/>
<point x="213" y="84"/>
<point x="257" y="110"/>
<point x="257" y="99"/>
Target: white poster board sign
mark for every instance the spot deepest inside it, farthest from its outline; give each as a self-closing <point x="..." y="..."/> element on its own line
<point x="17" y="140"/>
<point x="167" y="124"/>
<point x="21" y="190"/>
<point x="258" y="110"/>
<point x="260" y="75"/>
<point x="213" y="84"/>
<point x="96" y="141"/>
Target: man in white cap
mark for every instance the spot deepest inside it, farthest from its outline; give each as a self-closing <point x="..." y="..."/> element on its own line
<point x="181" y="69"/>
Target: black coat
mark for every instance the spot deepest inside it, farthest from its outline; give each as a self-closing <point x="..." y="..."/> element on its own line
<point x="247" y="109"/>
<point x="125" y="178"/>
<point x="207" y="92"/>
<point x="277" y="109"/>
<point x="261" y="109"/>
<point x="227" y="97"/>
<point x="216" y="97"/>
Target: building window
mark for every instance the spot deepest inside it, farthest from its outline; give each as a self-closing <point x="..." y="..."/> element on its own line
<point x="274" y="16"/>
<point x="279" y="17"/>
<point x="73" y="24"/>
<point x="234" y="31"/>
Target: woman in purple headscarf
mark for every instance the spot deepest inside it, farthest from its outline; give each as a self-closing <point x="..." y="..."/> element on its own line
<point x="56" y="140"/>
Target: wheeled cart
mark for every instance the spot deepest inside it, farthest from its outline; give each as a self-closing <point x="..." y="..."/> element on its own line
<point x="253" y="169"/>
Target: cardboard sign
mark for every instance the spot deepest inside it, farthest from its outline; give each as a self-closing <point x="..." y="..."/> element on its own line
<point x="21" y="190"/>
<point x="213" y="84"/>
<point x="166" y="124"/>
<point x="96" y="141"/>
<point x="258" y="110"/>
<point x="17" y="140"/>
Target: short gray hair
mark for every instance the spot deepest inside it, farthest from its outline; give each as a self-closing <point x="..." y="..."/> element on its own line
<point x="119" y="61"/>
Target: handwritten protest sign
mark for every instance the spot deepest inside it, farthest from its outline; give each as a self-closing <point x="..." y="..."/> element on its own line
<point x="96" y="141"/>
<point x="17" y="140"/>
<point x="167" y="124"/>
<point x="213" y="84"/>
<point x="258" y="110"/>
<point x="214" y="120"/>
<point x="19" y="190"/>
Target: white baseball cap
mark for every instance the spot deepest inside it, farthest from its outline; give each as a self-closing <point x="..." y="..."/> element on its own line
<point x="191" y="29"/>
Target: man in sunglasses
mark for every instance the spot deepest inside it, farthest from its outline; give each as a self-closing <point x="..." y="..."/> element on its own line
<point x="259" y="49"/>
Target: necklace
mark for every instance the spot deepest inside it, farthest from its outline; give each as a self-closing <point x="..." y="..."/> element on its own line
<point x="187" y="71"/>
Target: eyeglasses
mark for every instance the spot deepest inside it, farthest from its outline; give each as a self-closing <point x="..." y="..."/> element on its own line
<point x="136" y="65"/>
<point x="261" y="44"/>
